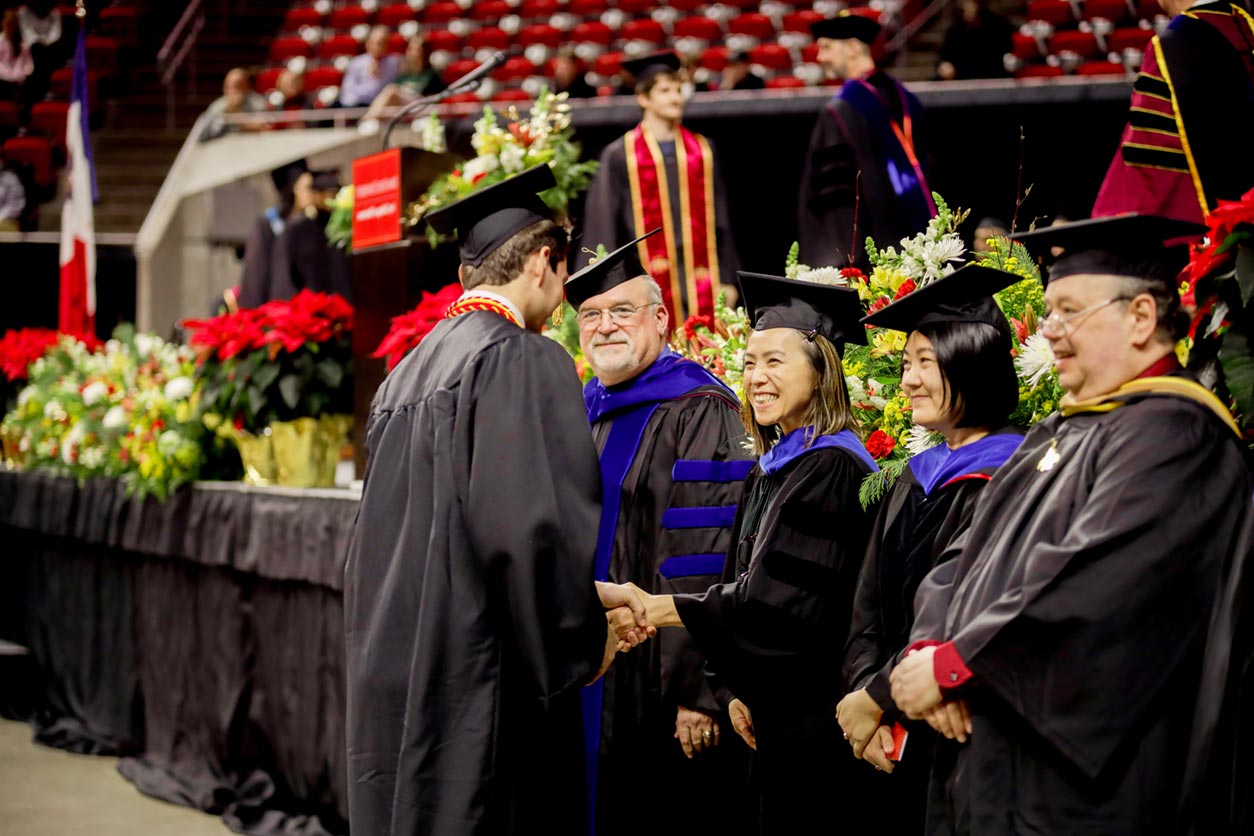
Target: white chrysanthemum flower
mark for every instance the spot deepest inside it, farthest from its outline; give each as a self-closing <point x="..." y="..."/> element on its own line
<point x="857" y="393"/>
<point x="145" y="344"/>
<point x="794" y="270"/>
<point x="113" y="347"/>
<point x="52" y="409"/>
<point x="512" y="158"/>
<point x="25" y="395"/>
<point x="168" y="443"/>
<point x="94" y="393"/>
<point x="823" y="275"/>
<point x="76" y="434"/>
<point x="479" y="165"/>
<point x="92" y="457"/>
<point x="179" y="388"/>
<point x="114" y="419"/>
<point x="921" y="438"/>
<point x="1035" y="359"/>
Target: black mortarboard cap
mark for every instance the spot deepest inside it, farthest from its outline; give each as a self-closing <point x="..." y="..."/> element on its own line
<point x="777" y="302"/>
<point x="325" y="180"/>
<point x="965" y="295"/>
<point x="607" y="273"/>
<point x="1123" y="245"/>
<point x="284" y="177"/>
<point x="847" y="26"/>
<point x="642" y="69"/>
<point x="487" y="218"/>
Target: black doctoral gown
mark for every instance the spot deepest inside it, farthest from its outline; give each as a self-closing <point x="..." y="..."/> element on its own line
<point x="608" y="217"/>
<point x="471" y="618"/>
<point x="644" y="688"/>
<point x="774" y="632"/>
<point x="255" y="281"/>
<point x="303" y="260"/>
<point x="846" y="169"/>
<point x="1079" y="597"/>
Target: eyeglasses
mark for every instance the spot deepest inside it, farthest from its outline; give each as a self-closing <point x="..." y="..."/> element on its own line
<point x="620" y="314"/>
<point x="1058" y="323"/>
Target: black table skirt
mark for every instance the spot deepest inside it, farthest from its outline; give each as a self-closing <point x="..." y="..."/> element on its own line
<point x="201" y="640"/>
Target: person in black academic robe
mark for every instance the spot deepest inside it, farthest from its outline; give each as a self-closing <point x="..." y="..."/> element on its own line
<point x="471" y="619"/>
<point x="1059" y="642"/>
<point x="953" y="323"/>
<point x="865" y="174"/>
<point x="673" y="460"/>
<point x="774" y="629"/>
<point x="255" y="287"/>
<point x="302" y="258"/>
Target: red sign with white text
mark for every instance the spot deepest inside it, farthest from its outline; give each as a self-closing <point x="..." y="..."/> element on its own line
<point x="377" y="199"/>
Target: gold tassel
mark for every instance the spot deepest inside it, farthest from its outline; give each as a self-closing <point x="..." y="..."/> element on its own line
<point x="557" y="314"/>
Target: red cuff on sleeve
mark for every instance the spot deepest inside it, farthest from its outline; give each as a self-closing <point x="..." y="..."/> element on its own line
<point x="948" y="668"/>
<point x="919" y="645"/>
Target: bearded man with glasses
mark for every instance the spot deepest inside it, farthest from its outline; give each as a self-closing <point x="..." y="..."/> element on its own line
<point x="1060" y="648"/>
<point x="673" y="460"/>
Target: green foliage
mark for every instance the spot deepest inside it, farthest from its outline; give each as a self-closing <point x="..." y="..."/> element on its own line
<point x="875" y="486"/>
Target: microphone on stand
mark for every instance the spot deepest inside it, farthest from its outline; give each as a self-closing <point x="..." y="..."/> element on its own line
<point x="469" y="81"/>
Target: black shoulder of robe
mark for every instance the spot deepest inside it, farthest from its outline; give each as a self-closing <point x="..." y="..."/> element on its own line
<point x="607" y="216"/>
<point x="775" y="634"/>
<point x="471" y="618"/>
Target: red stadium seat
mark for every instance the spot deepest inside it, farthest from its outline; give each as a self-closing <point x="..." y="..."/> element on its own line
<point x="121" y="22"/>
<point x="637" y="7"/>
<point x="1057" y="12"/>
<point x="397" y="43"/>
<point x="514" y="69"/>
<point x="281" y="49"/>
<point x="1101" y="68"/>
<point x="394" y="15"/>
<point x="323" y="77"/>
<point x="754" y="25"/>
<point x="542" y="33"/>
<point x="64" y="77"/>
<point x="783" y="82"/>
<point x="346" y="17"/>
<point x="462" y="98"/>
<point x="489" y="37"/>
<point x="715" y="59"/>
<point x="702" y="28"/>
<point x="457" y="69"/>
<point x="771" y="56"/>
<point x="608" y="63"/>
<point x="490" y="11"/>
<point x="810" y="54"/>
<point x="1148" y="9"/>
<point x="1025" y="46"/>
<point x="339" y="45"/>
<point x="512" y="96"/>
<point x="742" y="4"/>
<point x="32" y="151"/>
<point x="302" y="16"/>
<point x="102" y="55"/>
<point x="593" y="32"/>
<point x="441" y="13"/>
<point x="538" y="9"/>
<point x="442" y="39"/>
<point x="688" y="6"/>
<point x="1039" y="71"/>
<point x="8" y="119"/>
<point x="649" y="31"/>
<point x="587" y="8"/>
<point x="267" y="79"/>
<point x="800" y="20"/>
<point x="1133" y="37"/>
<point x="49" y="119"/>
<point x="1112" y="10"/>
<point x="1083" y="44"/>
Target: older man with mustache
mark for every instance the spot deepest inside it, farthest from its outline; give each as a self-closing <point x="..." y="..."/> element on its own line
<point x="670" y="443"/>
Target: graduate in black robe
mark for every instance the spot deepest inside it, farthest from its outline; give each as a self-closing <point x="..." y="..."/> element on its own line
<point x="471" y="618"/>
<point x="774" y="630"/>
<point x="1071" y="615"/>
<point x="673" y="460"/>
<point x="958" y="372"/>
<point x="255" y="281"/>
<point x="692" y="208"/>
<point x="303" y="259"/>
<point x="866" y="171"/>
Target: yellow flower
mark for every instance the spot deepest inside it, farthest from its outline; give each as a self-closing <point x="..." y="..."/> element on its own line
<point x="886" y="279"/>
<point x="888" y="342"/>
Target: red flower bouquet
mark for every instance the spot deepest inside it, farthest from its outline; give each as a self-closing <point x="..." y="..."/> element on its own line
<point x="880" y="445"/>
<point x="409" y="329"/>
<point x="20" y="348"/>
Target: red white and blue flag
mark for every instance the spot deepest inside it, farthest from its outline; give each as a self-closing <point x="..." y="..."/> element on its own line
<point x="77" y="313"/>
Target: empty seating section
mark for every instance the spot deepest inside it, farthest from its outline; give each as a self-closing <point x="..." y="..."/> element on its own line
<point x="1084" y="37"/>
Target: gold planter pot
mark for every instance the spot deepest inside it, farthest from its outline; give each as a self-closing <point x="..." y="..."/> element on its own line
<point x="257" y="454"/>
<point x="307" y="450"/>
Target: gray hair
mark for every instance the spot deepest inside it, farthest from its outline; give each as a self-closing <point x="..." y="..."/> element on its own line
<point x="1173" y="322"/>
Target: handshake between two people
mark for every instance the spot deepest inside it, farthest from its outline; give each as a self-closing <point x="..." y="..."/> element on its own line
<point x="632" y="617"/>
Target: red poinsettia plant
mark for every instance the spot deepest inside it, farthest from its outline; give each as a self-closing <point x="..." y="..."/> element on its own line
<point x="409" y="329"/>
<point x="21" y="347"/>
<point x="1218" y="288"/>
<point x="284" y="360"/>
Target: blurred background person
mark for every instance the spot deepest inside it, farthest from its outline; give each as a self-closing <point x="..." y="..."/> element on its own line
<point x="976" y="43"/>
<point x="369" y="73"/>
<point x="569" y="77"/>
<point x="737" y="75"/>
<point x="415" y="79"/>
<point x="237" y="97"/>
<point x="303" y="260"/>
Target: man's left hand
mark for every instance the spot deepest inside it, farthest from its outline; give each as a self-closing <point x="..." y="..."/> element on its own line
<point x="696" y="731"/>
<point x="914" y="684"/>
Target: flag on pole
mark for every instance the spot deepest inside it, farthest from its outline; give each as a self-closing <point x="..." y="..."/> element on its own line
<point x="77" y="312"/>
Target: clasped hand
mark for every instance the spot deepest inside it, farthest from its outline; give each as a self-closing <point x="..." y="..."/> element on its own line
<point x="916" y="692"/>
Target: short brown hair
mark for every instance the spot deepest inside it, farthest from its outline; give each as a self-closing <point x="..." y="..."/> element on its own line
<point x="829" y="410"/>
<point x="644" y="88"/>
<point x="504" y="263"/>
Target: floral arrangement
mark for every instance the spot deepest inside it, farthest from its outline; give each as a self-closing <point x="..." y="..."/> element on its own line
<point x="18" y="349"/>
<point x="409" y="329"/>
<point x="339" y="228"/>
<point x="126" y="409"/>
<point x="716" y="342"/>
<point x="1216" y="289"/>
<point x="545" y="136"/>
<point x="287" y="359"/>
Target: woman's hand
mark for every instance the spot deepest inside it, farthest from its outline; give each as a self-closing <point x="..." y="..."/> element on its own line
<point x="742" y="722"/>
<point x="859" y="716"/>
<point x="878" y="748"/>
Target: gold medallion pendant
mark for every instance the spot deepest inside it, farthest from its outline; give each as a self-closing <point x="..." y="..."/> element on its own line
<point x="1050" y="458"/>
